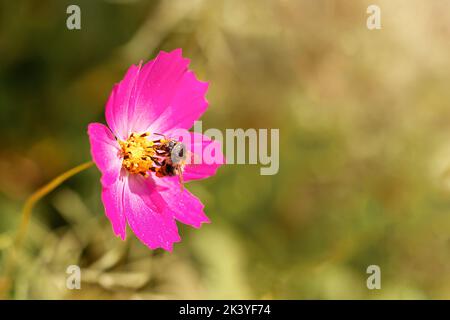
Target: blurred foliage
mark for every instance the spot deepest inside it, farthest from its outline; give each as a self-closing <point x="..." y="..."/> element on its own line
<point x="364" y="120"/>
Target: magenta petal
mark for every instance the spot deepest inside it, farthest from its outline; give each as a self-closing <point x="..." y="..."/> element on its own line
<point x="104" y="150"/>
<point x="148" y="215"/>
<point x="186" y="207"/>
<point x="121" y="103"/>
<point x="186" y="106"/>
<point x="167" y="95"/>
<point x="205" y="157"/>
<point x="156" y="88"/>
<point x="112" y="197"/>
<point x="158" y="97"/>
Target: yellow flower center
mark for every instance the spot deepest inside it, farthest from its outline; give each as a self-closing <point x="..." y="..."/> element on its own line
<point x="137" y="154"/>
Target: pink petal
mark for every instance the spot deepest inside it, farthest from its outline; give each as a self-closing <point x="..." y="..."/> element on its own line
<point x="104" y="150"/>
<point x="112" y="197"/>
<point x="185" y="207"/>
<point x="186" y="105"/>
<point x="160" y="96"/>
<point x="121" y="103"/>
<point x="148" y="214"/>
<point x="157" y="87"/>
<point x="205" y="155"/>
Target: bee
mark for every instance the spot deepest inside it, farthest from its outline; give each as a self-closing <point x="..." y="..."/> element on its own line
<point x="170" y="158"/>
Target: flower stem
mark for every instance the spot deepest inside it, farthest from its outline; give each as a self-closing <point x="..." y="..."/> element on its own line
<point x="26" y="215"/>
<point x="39" y="194"/>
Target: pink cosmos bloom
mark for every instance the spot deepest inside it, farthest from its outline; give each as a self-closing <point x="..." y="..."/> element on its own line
<point x="148" y="108"/>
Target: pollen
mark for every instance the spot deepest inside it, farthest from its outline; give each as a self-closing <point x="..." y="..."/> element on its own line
<point x="137" y="152"/>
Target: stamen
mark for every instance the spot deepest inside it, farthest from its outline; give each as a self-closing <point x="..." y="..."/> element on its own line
<point x="137" y="152"/>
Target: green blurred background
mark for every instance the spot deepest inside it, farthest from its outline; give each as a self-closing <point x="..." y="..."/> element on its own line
<point x="364" y="119"/>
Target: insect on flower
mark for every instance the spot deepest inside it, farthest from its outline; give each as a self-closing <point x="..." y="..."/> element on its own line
<point x="142" y="160"/>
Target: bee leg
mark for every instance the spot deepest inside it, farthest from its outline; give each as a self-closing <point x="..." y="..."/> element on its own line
<point x="160" y="134"/>
<point x="180" y="178"/>
<point x="156" y="161"/>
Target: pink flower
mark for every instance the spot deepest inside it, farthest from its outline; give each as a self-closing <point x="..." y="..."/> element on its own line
<point x="152" y="105"/>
